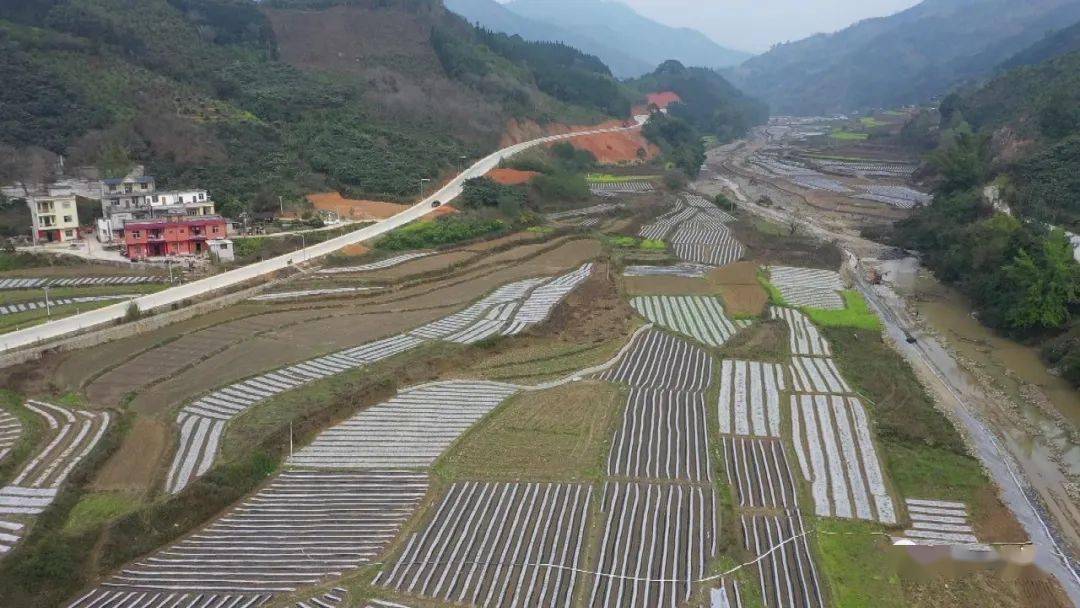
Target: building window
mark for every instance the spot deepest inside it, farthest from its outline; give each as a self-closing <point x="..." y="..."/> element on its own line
<point x="136" y="234"/>
<point x="67" y="219"/>
<point x="144" y="186"/>
<point x="67" y="205"/>
<point x="217" y="229"/>
<point x="69" y="234"/>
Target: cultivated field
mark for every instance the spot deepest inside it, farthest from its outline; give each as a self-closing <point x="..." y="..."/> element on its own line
<point x="684" y="270"/>
<point x="303" y="527"/>
<point x="808" y="287"/>
<point x="750" y="398"/>
<point x="665" y="533"/>
<point x="387" y="263"/>
<point x="816" y="375"/>
<point x="10" y="431"/>
<point x="788" y="576"/>
<point x="697" y="231"/>
<point x="663" y="436"/>
<point x="701" y="318"/>
<point x="661" y="361"/>
<point x="409" y="431"/>
<point x="612" y="189"/>
<point x="508" y="310"/>
<point x="804" y="336"/>
<point x="69" y="438"/>
<point x="39" y="282"/>
<point x="497" y="545"/>
<point x="11" y="309"/>
<point x="939" y="522"/>
<point x="758" y="470"/>
<point x="837" y="456"/>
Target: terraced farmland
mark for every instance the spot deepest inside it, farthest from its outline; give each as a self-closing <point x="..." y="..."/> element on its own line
<point x="38" y="283"/>
<point x="600" y="209"/>
<point x="309" y="293"/>
<point x="497" y="545"/>
<point x="804" y="337"/>
<point x="509" y="310"/>
<point x="658" y="360"/>
<point x="808" y="287"/>
<point x="699" y="317"/>
<point x="10" y="431"/>
<point x="409" y="431"/>
<point x="304" y="527"/>
<point x="69" y="438"/>
<point x="381" y="264"/>
<point x="611" y="189"/>
<point x="663" y="533"/>
<point x="750" y="398"/>
<point x="787" y="574"/>
<point x="837" y="456"/>
<point x="663" y="436"/>
<point x="334" y="597"/>
<point x="11" y="309"/>
<point x="700" y="232"/>
<point x="687" y="270"/>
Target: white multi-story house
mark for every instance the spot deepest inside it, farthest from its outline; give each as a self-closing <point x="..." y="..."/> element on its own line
<point x="136" y="198"/>
<point x="54" y="217"/>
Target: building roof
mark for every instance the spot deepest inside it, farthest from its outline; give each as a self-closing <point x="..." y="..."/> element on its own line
<point x="151" y="224"/>
<point x="116" y="181"/>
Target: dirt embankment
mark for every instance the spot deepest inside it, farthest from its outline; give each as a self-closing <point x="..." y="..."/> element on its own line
<point x="627" y="147"/>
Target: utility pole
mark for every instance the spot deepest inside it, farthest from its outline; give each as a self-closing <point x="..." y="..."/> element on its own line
<point x="48" y="306"/>
<point x="281" y="204"/>
<point x="423" y="181"/>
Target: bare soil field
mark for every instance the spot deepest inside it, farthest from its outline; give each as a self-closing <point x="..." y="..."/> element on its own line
<point x="559" y="434"/>
<point x="744" y="300"/>
<point x="511" y="177"/>
<point x="767" y="244"/>
<point x="164" y="361"/>
<point x="1025" y="587"/>
<point x="353" y="209"/>
<point x="135" y="464"/>
<point x="424" y="265"/>
<point x="765" y="341"/>
<point x="668" y="286"/>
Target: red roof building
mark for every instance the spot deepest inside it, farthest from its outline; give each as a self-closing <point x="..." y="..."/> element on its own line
<point x="172" y="235"/>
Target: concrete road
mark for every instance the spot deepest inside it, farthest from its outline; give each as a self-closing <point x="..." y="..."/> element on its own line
<point x="85" y="321"/>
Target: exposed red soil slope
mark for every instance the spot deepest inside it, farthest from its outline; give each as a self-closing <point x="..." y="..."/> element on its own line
<point x="511" y="177"/>
<point x="609" y="148"/>
<point x="663" y="99"/>
<point x="352" y="209"/>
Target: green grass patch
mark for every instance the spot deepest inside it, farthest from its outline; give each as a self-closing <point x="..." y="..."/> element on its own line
<point x="857" y="563"/>
<point x="845" y="135"/>
<point x="775" y="297"/>
<point x="872" y="123"/>
<point x="856" y="313"/>
<point x="95" y="509"/>
<point x="443" y="231"/>
<point x="652" y="245"/>
<point x="934" y="472"/>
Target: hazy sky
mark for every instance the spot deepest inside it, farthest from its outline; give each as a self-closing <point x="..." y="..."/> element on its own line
<point x="755" y="25"/>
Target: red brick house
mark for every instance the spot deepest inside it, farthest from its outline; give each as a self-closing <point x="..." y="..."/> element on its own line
<point x="172" y="235"/>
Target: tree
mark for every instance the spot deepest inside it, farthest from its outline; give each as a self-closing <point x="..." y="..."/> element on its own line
<point x="961" y="160"/>
<point x="1043" y="286"/>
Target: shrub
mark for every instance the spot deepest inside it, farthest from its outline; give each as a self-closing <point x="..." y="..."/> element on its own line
<point x="443" y="231"/>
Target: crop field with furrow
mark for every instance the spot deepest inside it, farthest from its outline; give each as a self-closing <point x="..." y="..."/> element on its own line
<point x="686" y="270"/>
<point x="816" y="375"/>
<point x="659" y="360"/>
<point x="837" y="456"/>
<point x="508" y="310"/>
<point x="758" y="470"/>
<point x="941" y="523"/>
<point x="698" y="317"/>
<point x="497" y="545"/>
<point x="608" y="189"/>
<point x="808" y="287"/>
<point x="788" y="575"/>
<point x="663" y="436"/>
<point x="409" y="431"/>
<point x="577" y="213"/>
<point x="387" y="263"/>
<point x="69" y="438"/>
<point x="38" y="283"/>
<point x="302" y="528"/>
<point x="749" y="401"/>
<point x="656" y="544"/>
<point x="805" y="339"/>
<point x="10" y="431"/>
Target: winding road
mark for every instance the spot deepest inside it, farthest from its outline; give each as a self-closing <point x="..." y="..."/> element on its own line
<point x="68" y="326"/>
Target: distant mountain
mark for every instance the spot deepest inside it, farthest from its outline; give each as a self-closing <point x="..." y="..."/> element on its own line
<point x="632" y="45"/>
<point x="905" y="58"/>
<point x="1053" y="45"/>
<point x="494" y="16"/>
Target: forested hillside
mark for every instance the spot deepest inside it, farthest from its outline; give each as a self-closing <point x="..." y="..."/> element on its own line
<point x="256" y="101"/>
<point x="907" y="58"/>
<point x="1021" y="132"/>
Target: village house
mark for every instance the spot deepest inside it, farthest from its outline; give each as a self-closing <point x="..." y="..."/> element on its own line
<point x="172" y="235"/>
<point x="54" y="216"/>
